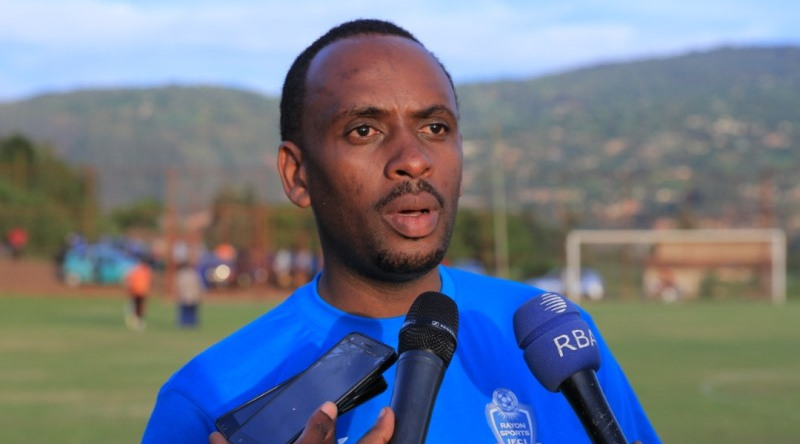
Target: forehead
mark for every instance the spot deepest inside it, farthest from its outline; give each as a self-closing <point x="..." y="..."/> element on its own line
<point x="376" y="70"/>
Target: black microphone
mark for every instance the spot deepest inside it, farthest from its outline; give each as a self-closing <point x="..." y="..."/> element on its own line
<point x="427" y="344"/>
<point x="562" y="353"/>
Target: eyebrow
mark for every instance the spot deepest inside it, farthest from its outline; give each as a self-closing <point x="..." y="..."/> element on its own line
<point x="366" y="111"/>
<point x="375" y="112"/>
<point x="434" y="110"/>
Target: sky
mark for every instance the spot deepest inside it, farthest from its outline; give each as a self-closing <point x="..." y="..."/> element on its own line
<point x="62" y="45"/>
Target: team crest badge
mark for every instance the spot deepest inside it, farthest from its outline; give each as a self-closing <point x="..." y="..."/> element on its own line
<point x="510" y="421"/>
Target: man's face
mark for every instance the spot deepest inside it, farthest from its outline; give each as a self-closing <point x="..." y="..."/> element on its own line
<point x="381" y="155"/>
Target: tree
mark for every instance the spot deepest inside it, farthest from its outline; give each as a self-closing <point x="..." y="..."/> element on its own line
<point x="42" y="194"/>
<point x="144" y="214"/>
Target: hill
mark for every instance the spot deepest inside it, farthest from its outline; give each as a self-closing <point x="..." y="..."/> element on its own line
<point x="704" y="138"/>
<point x="208" y="136"/>
<point x="711" y="134"/>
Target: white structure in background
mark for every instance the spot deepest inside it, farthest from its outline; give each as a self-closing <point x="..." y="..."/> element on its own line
<point x="775" y="239"/>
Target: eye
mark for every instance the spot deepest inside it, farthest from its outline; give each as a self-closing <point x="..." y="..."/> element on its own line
<point x="362" y="132"/>
<point x="437" y="129"/>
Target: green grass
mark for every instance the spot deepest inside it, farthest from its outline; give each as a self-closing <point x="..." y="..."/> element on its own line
<point x="711" y="372"/>
<point x="706" y="372"/>
<point x="70" y="372"/>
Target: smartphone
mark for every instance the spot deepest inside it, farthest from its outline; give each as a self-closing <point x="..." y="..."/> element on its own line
<point x="345" y="374"/>
<point x="232" y="420"/>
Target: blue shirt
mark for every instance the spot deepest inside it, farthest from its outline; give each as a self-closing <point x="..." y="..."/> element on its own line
<point x="488" y="394"/>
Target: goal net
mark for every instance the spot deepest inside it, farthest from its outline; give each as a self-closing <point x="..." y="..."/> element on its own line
<point x="679" y="264"/>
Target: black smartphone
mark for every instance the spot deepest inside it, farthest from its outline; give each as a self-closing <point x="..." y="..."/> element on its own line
<point x="345" y="374"/>
<point x="232" y="420"/>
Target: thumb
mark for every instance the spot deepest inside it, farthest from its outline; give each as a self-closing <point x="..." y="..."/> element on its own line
<point x="381" y="432"/>
<point x="217" y="438"/>
<point x="321" y="426"/>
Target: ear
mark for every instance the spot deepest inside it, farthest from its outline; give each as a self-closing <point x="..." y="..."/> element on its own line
<point x="293" y="174"/>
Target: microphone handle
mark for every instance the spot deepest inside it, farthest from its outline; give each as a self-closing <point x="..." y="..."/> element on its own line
<point x="416" y="384"/>
<point x="583" y="392"/>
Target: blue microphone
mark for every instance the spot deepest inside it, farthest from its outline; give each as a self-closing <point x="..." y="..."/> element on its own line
<point x="562" y="353"/>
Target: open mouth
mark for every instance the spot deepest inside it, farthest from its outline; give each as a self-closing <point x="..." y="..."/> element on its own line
<point x="412" y="216"/>
<point x="413" y="212"/>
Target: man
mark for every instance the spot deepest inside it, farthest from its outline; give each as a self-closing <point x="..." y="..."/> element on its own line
<point x="369" y="121"/>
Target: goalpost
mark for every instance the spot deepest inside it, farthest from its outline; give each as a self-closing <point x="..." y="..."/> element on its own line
<point x="775" y="238"/>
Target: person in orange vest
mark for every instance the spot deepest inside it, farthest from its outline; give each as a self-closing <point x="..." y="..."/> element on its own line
<point x="138" y="282"/>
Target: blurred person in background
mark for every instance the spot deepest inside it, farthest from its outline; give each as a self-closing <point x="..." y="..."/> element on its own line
<point x="189" y="286"/>
<point x="16" y="240"/>
<point x="138" y="283"/>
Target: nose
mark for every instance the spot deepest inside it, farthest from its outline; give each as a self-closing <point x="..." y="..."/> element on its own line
<point x="410" y="158"/>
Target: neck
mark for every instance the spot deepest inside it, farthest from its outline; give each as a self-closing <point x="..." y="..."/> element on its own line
<point x="372" y="298"/>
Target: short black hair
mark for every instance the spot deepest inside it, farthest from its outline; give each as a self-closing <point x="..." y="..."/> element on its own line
<point x="294" y="87"/>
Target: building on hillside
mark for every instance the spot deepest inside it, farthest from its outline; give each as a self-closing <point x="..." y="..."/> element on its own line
<point x="688" y="270"/>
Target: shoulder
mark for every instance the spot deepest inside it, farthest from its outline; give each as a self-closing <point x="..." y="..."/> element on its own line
<point x="483" y="290"/>
<point x="254" y="358"/>
<point x="489" y="298"/>
<point x="473" y="289"/>
<point x="226" y="368"/>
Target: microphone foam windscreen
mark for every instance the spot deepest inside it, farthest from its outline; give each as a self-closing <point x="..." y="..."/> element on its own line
<point x="556" y="341"/>
<point x="431" y="324"/>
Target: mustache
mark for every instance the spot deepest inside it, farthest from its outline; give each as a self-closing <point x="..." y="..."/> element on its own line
<point x="409" y="187"/>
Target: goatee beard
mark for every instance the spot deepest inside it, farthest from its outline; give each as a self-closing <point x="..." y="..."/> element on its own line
<point x="406" y="266"/>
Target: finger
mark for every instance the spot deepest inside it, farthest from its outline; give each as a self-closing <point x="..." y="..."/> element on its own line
<point x="217" y="438"/>
<point x="381" y="432"/>
<point x="321" y="426"/>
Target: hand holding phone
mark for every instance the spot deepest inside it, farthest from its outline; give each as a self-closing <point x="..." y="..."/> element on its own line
<point x="321" y="428"/>
<point x="347" y="374"/>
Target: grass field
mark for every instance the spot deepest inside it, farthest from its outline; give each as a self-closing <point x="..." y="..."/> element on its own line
<point x="706" y="372"/>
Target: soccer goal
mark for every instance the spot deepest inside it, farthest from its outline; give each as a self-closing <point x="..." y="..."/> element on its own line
<point x="679" y="258"/>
